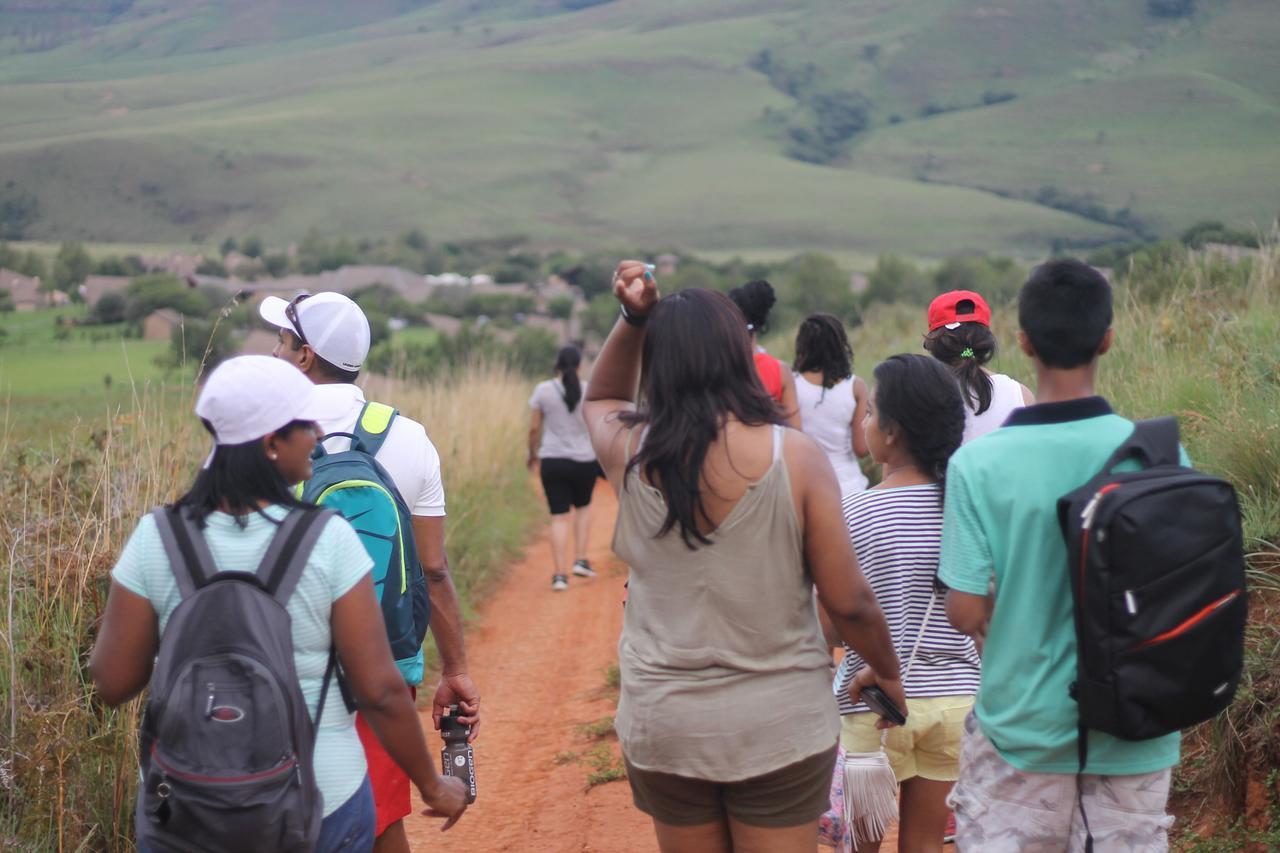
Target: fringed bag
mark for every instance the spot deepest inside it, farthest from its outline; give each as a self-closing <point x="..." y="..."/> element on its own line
<point x="868" y="791"/>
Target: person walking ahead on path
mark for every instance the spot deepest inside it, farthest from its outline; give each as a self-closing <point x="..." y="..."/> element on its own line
<point x="262" y="415"/>
<point x="728" y="520"/>
<point x="1019" y="764"/>
<point x="914" y="422"/>
<point x="832" y="401"/>
<point x="560" y="449"/>
<point x="960" y="337"/>
<point x="326" y="336"/>
<point x="755" y="300"/>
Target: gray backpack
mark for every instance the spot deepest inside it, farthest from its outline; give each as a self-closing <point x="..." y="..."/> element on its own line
<point x="226" y="742"/>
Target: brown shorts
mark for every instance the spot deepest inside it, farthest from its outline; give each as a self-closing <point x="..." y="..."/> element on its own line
<point x="791" y="796"/>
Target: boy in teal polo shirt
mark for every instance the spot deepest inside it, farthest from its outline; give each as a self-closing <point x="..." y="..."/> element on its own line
<point x="1018" y="766"/>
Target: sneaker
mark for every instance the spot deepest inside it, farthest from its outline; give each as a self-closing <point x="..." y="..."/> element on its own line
<point x="559" y="583"/>
<point x="583" y="569"/>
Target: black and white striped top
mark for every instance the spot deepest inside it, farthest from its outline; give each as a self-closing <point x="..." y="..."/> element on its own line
<point x="897" y="535"/>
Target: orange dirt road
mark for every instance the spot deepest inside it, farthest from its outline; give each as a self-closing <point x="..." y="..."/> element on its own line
<point x="539" y="659"/>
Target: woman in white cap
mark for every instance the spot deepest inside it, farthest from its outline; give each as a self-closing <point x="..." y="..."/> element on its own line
<point x="262" y="413"/>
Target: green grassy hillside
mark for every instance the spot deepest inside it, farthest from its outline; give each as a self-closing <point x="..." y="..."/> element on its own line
<point x="637" y="121"/>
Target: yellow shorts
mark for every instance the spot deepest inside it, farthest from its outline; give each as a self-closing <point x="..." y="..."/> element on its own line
<point x="928" y="746"/>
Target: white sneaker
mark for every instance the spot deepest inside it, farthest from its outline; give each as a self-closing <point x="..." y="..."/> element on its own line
<point x="559" y="583"/>
<point x="583" y="569"/>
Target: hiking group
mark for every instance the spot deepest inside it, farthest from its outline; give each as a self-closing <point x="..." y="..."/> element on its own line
<point x="1032" y="600"/>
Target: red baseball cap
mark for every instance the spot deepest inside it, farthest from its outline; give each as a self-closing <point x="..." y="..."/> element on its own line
<point x="958" y="306"/>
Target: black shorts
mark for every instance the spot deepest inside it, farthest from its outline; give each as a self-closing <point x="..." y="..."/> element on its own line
<point x="567" y="483"/>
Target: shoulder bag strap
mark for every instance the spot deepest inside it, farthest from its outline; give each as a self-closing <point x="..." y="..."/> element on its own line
<point x="189" y="556"/>
<point x="373" y="426"/>
<point x="1153" y="442"/>
<point x="287" y="555"/>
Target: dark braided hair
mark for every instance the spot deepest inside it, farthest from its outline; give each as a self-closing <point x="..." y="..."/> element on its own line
<point x="567" y="361"/>
<point x="950" y="346"/>
<point x="755" y="299"/>
<point x="823" y="347"/>
<point x="921" y="399"/>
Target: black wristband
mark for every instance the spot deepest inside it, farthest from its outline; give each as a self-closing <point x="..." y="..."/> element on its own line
<point x="637" y="320"/>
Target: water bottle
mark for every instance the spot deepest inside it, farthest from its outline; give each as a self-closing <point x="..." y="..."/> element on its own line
<point x="456" y="758"/>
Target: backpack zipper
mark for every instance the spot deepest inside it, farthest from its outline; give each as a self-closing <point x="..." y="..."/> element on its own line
<point x="1190" y="623"/>
<point x="286" y="766"/>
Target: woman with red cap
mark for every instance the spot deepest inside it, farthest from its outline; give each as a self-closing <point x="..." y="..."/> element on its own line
<point x="960" y="336"/>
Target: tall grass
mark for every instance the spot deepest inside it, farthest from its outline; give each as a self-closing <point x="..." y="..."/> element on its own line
<point x="67" y="765"/>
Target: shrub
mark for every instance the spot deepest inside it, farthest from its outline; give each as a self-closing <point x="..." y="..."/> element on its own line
<point x="561" y="307"/>
<point x="6" y="301"/>
<point x="148" y="293"/>
<point x="110" y="308"/>
<point x="894" y="280"/>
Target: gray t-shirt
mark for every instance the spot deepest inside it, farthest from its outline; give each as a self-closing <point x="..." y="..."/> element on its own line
<point x="564" y="433"/>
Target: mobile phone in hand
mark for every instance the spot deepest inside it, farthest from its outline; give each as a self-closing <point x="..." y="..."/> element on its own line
<point x="877" y="700"/>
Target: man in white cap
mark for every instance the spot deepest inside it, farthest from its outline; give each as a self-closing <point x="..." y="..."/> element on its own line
<point x="326" y="336"/>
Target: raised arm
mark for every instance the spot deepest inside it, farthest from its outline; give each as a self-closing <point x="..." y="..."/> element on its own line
<point x="615" y="379"/>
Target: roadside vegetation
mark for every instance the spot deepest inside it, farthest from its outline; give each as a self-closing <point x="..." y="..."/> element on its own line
<point x="1197" y="337"/>
<point x="68" y="767"/>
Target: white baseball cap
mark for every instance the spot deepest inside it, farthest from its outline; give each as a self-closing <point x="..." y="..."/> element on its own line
<point x="331" y="324"/>
<point x="250" y="396"/>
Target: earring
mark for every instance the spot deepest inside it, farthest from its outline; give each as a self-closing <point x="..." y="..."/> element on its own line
<point x="274" y="456"/>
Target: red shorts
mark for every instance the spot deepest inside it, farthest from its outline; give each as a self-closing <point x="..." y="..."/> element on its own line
<point x="390" y="783"/>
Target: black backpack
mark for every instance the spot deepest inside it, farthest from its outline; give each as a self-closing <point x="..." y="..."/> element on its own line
<point x="1156" y="558"/>
<point x="226" y="742"/>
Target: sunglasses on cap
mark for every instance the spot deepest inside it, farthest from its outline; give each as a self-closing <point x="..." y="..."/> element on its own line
<point x="291" y="314"/>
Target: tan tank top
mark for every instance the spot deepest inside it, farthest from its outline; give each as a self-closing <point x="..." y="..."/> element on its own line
<point x="725" y="675"/>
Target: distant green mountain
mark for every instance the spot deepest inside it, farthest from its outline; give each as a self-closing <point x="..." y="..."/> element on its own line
<point x="920" y="126"/>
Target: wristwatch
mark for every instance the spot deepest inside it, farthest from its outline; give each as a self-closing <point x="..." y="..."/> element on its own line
<point x="637" y="320"/>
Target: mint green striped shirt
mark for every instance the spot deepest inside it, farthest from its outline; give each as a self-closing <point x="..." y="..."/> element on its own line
<point x="338" y="562"/>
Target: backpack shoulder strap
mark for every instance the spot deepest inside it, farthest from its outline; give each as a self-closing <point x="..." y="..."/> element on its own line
<point x="373" y="425"/>
<point x="1153" y="442"/>
<point x="286" y="556"/>
<point x="189" y="556"/>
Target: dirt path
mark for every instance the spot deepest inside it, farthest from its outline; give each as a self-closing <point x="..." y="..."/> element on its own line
<point x="540" y="660"/>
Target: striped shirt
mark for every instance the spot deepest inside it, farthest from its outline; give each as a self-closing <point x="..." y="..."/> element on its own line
<point x="897" y="535"/>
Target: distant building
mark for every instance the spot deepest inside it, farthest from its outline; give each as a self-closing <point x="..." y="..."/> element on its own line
<point x="25" y="290"/>
<point x="666" y="264"/>
<point x="159" y="325"/>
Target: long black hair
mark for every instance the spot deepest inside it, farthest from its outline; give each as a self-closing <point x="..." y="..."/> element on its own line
<point x="567" y="361"/>
<point x="966" y="349"/>
<point x="822" y="346"/>
<point x="920" y="399"/>
<point x="238" y="478"/>
<point x="696" y="372"/>
<point x="755" y="299"/>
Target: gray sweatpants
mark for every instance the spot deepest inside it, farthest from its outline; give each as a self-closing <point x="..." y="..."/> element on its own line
<point x="1001" y="809"/>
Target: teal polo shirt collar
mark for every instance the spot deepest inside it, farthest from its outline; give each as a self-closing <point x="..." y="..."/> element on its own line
<point x="1059" y="413"/>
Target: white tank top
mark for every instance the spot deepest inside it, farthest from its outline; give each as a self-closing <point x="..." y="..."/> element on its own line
<point x="826" y="416"/>
<point x="1006" y="395"/>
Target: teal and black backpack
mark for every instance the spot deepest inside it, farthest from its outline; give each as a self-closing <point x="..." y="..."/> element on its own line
<point x="353" y="483"/>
